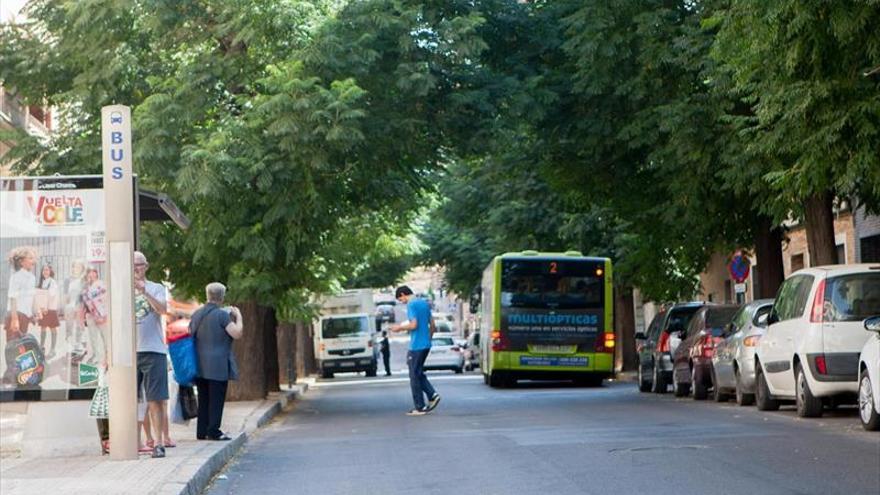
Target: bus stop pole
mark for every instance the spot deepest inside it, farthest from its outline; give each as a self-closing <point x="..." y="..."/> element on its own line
<point x="119" y="224"/>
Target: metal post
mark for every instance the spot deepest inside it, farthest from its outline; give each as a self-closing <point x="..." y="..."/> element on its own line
<point x="118" y="208"/>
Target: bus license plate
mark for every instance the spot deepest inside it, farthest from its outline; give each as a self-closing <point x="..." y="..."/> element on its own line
<point x="553" y="349"/>
<point x="553" y="361"/>
<point x="347" y="365"/>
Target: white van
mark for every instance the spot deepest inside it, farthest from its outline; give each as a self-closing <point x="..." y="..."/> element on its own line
<point x="345" y="334"/>
<point x="810" y="350"/>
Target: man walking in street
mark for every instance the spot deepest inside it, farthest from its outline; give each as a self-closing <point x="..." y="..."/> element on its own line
<point x="385" y="349"/>
<point x="152" y="361"/>
<point x="421" y="326"/>
<point x="214" y="328"/>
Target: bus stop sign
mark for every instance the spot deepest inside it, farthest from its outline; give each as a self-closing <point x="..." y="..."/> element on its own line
<point x="739" y="268"/>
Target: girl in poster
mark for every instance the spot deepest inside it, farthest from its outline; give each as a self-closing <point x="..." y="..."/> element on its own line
<point x="48" y="312"/>
<point x="94" y="316"/>
<point x="73" y="289"/>
<point x="22" y="288"/>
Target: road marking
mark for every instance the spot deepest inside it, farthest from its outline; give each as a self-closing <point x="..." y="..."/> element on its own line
<point x="380" y="381"/>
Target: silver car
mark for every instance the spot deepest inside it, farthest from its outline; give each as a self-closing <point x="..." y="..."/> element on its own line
<point x="733" y="364"/>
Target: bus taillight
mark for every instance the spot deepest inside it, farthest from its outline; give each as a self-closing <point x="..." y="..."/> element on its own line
<point x="605" y="343"/>
<point x="499" y="343"/>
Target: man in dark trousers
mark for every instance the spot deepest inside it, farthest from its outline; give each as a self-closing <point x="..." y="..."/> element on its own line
<point x="385" y="349"/>
<point x="214" y="328"/>
<point x="421" y="328"/>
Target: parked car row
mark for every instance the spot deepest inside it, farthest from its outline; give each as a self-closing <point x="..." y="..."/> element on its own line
<point x="809" y="346"/>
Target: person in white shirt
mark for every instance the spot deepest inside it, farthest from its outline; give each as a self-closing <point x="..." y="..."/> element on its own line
<point x="22" y="288"/>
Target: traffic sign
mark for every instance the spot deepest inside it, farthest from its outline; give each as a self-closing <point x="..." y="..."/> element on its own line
<point x="739" y="267"/>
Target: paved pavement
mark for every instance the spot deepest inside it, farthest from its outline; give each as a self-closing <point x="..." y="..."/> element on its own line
<point x="187" y="469"/>
<point x="350" y="435"/>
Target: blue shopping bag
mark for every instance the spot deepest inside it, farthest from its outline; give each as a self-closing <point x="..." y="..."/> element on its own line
<point x="184" y="359"/>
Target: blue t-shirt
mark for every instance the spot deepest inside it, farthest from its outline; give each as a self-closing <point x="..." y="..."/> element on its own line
<point x="419" y="310"/>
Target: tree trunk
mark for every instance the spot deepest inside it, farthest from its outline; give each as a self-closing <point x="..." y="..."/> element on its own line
<point x="250" y="352"/>
<point x="819" y="220"/>
<point x="768" y="250"/>
<point x="287" y="353"/>
<point x="624" y="329"/>
<point x="270" y="329"/>
<point x="305" y="350"/>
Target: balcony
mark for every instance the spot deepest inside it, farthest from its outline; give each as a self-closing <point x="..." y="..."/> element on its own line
<point x="13" y="112"/>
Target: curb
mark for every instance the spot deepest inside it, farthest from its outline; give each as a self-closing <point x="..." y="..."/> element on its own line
<point x="218" y="460"/>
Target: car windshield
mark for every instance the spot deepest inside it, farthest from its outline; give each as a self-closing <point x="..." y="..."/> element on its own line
<point x="718" y="318"/>
<point x="852" y="297"/>
<point x="332" y="328"/>
<point x="442" y="341"/>
<point x="442" y="327"/>
<point x="679" y="318"/>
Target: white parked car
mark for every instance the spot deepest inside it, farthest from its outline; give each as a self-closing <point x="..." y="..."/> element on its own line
<point x="444" y="355"/>
<point x="810" y="350"/>
<point x="869" y="377"/>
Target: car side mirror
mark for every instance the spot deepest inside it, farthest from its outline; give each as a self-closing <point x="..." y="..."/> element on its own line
<point x="772" y="318"/>
<point x="873" y="324"/>
<point x="641" y="336"/>
<point x="763" y="319"/>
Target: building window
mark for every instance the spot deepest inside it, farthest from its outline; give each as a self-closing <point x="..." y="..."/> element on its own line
<point x="797" y="262"/>
<point x="841" y="254"/>
<point x="870" y="249"/>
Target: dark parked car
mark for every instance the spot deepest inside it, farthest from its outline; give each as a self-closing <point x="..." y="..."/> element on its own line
<point x="692" y="355"/>
<point x="655" y="362"/>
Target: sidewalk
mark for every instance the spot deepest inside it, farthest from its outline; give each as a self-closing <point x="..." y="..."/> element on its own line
<point x="187" y="468"/>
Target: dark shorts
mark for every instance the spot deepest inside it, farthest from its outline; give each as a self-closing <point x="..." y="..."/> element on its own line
<point x="152" y="375"/>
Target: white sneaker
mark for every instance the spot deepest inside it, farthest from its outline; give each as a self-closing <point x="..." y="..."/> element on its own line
<point x="416" y="412"/>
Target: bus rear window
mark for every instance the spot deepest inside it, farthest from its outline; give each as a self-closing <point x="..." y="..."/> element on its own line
<point x="552" y="284"/>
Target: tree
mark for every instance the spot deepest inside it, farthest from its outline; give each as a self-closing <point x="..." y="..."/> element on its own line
<point x="272" y="122"/>
<point x="801" y="67"/>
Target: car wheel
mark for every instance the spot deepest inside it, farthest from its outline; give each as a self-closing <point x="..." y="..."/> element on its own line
<point x="371" y="372"/>
<point x="644" y="385"/>
<point x="680" y="389"/>
<point x="658" y="383"/>
<point x="867" y="410"/>
<point x="701" y="391"/>
<point x="485" y="378"/>
<point x="459" y="370"/>
<point x="808" y="406"/>
<point x="717" y="394"/>
<point x="742" y="398"/>
<point x="763" y="399"/>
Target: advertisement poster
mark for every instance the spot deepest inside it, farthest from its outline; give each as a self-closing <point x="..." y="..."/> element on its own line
<point x="52" y="285"/>
<point x="530" y="326"/>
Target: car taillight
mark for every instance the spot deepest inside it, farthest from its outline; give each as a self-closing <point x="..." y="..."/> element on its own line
<point x="820" y="364"/>
<point x="370" y="344"/>
<point x="499" y="341"/>
<point x="751" y="341"/>
<point x="605" y="343"/>
<point x="706" y="346"/>
<point x="818" y="304"/>
<point x="663" y="345"/>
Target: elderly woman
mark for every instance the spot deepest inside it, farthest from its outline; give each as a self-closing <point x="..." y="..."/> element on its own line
<point x="22" y="288"/>
<point x="214" y="328"/>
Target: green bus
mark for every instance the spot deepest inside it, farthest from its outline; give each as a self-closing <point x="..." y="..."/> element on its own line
<point x="546" y="316"/>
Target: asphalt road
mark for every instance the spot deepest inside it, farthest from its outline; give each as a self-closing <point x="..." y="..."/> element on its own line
<point x="350" y="435"/>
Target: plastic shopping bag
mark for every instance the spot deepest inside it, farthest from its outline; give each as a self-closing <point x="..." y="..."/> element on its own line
<point x="184" y="360"/>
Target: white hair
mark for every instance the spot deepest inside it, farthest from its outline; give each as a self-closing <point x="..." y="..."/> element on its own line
<point x="215" y="292"/>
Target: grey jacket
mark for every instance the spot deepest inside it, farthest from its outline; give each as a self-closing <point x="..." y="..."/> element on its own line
<point x="213" y="344"/>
